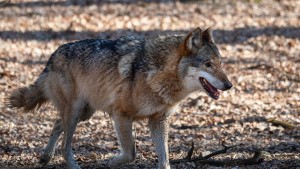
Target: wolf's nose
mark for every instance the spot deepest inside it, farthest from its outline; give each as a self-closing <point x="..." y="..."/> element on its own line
<point x="228" y="85"/>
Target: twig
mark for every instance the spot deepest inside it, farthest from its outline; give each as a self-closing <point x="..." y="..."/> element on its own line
<point x="4" y="3"/>
<point x="284" y="124"/>
<point x="187" y="158"/>
<point x="262" y="66"/>
<point x="223" y="151"/>
<point x="190" y="153"/>
<point x="255" y="159"/>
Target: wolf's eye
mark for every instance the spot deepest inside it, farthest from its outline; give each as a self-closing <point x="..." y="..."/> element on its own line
<point x="208" y="64"/>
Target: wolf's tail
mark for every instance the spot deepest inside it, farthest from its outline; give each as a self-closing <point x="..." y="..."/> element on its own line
<point x="31" y="97"/>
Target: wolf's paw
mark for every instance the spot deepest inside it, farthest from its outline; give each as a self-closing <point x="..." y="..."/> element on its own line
<point x="45" y="158"/>
<point x="117" y="161"/>
<point x="73" y="165"/>
<point x="164" y="165"/>
<point x="112" y="163"/>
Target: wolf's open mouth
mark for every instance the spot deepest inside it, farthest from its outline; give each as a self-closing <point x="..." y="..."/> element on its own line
<point x="212" y="91"/>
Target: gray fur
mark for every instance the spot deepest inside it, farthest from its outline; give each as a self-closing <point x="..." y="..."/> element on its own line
<point x="131" y="78"/>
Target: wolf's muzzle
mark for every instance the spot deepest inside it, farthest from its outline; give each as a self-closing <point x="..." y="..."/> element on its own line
<point x="227" y="85"/>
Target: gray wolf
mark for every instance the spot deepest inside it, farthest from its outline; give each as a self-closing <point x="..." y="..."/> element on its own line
<point x="131" y="78"/>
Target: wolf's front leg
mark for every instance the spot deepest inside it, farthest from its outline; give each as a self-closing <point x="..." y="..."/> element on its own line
<point x="123" y="127"/>
<point x="159" y="128"/>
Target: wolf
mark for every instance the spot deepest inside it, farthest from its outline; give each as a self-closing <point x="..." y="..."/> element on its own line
<point x="130" y="78"/>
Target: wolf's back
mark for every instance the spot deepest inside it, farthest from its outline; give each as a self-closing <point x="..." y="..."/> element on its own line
<point x="87" y="54"/>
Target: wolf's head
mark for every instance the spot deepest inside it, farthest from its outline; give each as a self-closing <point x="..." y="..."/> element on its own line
<point x="200" y="66"/>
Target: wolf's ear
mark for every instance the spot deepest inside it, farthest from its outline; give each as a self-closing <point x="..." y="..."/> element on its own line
<point x="193" y="40"/>
<point x="207" y="35"/>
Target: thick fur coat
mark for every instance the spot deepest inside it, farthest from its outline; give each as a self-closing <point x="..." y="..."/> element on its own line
<point x="130" y="78"/>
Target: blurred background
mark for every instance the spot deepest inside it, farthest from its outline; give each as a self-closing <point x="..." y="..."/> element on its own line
<point x="258" y="39"/>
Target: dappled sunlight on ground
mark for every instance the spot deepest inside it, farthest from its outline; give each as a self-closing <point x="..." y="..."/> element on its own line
<point x="260" y="43"/>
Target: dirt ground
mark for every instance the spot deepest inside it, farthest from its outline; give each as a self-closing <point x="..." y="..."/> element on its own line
<point x="260" y="43"/>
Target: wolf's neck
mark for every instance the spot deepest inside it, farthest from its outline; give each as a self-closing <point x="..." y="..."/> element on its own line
<point x="160" y="46"/>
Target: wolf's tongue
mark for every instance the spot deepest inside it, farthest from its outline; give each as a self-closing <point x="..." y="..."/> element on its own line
<point x="212" y="91"/>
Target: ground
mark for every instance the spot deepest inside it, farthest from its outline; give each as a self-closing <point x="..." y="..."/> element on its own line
<point x="258" y="39"/>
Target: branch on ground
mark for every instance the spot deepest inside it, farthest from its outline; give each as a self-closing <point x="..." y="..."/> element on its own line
<point x="283" y="124"/>
<point x="4" y="3"/>
<point x="259" y="66"/>
<point x="255" y="159"/>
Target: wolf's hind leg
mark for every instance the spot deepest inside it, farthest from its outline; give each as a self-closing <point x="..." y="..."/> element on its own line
<point x="71" y="116"/>
<point x="50" y="148"/>
<point x="123" y="127"/>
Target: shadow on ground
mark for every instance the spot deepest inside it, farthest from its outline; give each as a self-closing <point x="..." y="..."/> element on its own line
<point x="221" y="36"/>
<point x="285" y="148"/>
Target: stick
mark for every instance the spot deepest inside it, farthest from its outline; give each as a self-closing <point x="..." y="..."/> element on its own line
<point x="258" y="66"/>
<point x="4" y="3"/>
<point x="284" y="124"/>
<point x="255" y="159"/>
<point x="190" y="153"/>
<point x="223" y="151"/>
